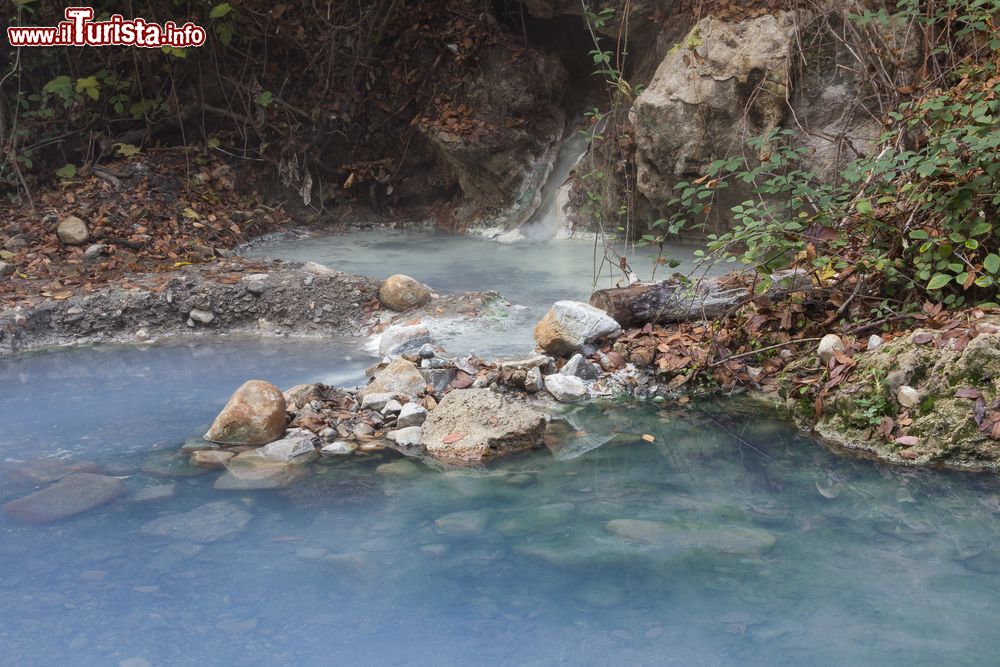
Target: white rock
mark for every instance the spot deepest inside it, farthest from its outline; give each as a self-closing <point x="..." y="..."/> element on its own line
<point x="201" y="316"/>
<point x="827" y="345"/>
<point x="317" y="269"/>
<point x="581" y="368"/>
<point x="297" y="442"/>
<point x="400" y="340"/>
<point x="6" y="269"/>
<point x="569" y="325"/>
<point x="338" y="448"/>
<point x="376" y="401"/>
<point x="411" y="436"/>
<point x="94" y="251"/>
<point x="412" y="414"/>
<point x="907" y="396"/>
<point x="533" y="381"/>
<point x="874" y="342"/>
<point x="565" y="388"/>
<point x="393" y="407"/>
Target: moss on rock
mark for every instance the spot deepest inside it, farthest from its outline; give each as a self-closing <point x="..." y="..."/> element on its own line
<point x="944" y="425"/>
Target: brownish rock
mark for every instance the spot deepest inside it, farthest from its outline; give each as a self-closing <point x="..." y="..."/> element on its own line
<point x="401" y="293"/>
<point x="254" y="415"/>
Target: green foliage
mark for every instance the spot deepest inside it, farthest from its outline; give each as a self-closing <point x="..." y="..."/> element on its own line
<point x="919" y="214"/>
<point x="67" y="171"/>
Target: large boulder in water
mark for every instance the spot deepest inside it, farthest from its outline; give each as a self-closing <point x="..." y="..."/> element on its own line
<point x="71" y="495"/>
<point x="254" y="415"/>
<point x="472" y="426"/>
<point x="401" y="293"/>
<point x="569" y="325"/>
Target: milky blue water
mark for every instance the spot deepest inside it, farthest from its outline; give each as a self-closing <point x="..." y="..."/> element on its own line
<point x="530" y="275"/>
<point x="757" y="547"/>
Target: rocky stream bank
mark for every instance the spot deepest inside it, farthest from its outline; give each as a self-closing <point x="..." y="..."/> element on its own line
<point x="926" y="398"/>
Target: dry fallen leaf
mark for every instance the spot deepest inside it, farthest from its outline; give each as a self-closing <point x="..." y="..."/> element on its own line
<point x="648" y="438"/>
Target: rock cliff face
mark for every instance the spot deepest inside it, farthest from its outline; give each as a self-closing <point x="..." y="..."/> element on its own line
<point x="716" y="80"/>
<point x="514" y="120"/>
<point x="725" y="83"/>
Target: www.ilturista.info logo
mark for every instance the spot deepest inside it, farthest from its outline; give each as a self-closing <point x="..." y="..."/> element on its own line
<point x="80" y="30"/>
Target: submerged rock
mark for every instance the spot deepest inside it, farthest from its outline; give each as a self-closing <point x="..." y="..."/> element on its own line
<point x="210" y="458"/>
<point x="246" y="477"/>
<point x="155" y="493"/>
<point x="44" y="471"/>
<point x="476" y="425"/>
<point x="679" y="537"/>
<point x="398" y="468"/>
<point x="401" y="293"/>
<point x="468" y="522"/>
<point x="71" y="495"/>
<point x="214" y="522"/>
<point x="569" y="325"/>
<point x="537" y="519"/>
<point x="165" y="463"/>
<point x="254" y="415"/>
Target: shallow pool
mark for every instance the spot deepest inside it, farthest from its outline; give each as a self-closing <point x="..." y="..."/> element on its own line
<point x="728" y="540"/>
<point x="531" y="275"/>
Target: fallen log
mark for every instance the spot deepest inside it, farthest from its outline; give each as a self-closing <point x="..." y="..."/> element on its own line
<point x="675" y="301"/>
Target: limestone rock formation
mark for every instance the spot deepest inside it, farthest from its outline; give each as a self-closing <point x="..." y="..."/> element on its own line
<point x="475" y="425"/>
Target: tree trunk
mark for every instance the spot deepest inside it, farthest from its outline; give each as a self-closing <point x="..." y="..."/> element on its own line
<point x="663" y="302"/>
<point x="673" y="301"/>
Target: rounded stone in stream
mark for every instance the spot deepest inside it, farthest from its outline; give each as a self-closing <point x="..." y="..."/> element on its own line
<point x="214" y="522"/>
<point x="254" y="415"/>
<point x="71" y="495"/>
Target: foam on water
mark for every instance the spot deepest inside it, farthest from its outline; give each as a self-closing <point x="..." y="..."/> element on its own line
<point x="729" y="540"/>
